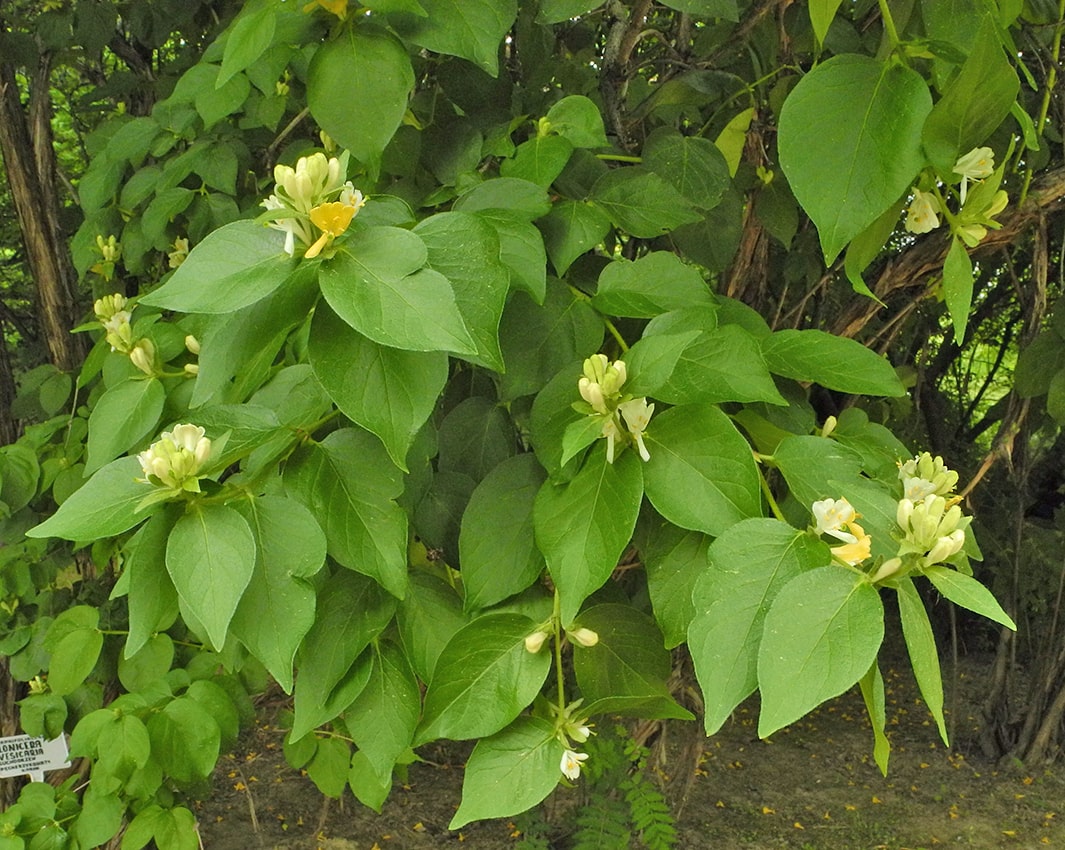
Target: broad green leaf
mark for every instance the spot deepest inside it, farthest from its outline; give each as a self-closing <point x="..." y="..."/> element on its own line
<point x="471" y="29"/>
<point x="881" y="450"/>
<point x="846" y="165"/>
<point x="577" y="119"/>
<point x="147" y="665"/>
<point x="538" y="160"/>
<point x="328" y="770"/>
<point x="238" y="350"/>
<point x="365" y="784"/>
<point x="733" y="139"/>
<point x="427" y="619"/>
<point x="651" y="361"/>
<point x="357" y="89"/>
<point x="185" y="740"/>
<point x="747" y="567"/>
<point x="236" y="265"/>
<point x="351" y="611"/>
<point x="967" y="592"/>
<point x="42" y="715"/>
<point x="702" y="475"/>
<point x="921" y="645"/>
<point x="674" y="559"/>
<point x="465" y="249"/>
<point x="105" y="506"/>
<point x="538" y="341"/>
<point x="642" y="203"/>
<point x="584" y="526"/>
<point x="497" y="551"/>
<point x="958" y="286"/>
<point x="872" y="685"/>
<point x="572" y="228"/>
<point x="213" y="103"/>
<point x="580" y="434"/>
<point x="626" y="671"/>
<point x="510" y="772"/>
<point x="694" y="165"/>
<point x="821" y="14"/>
<point x="815" y="467"/>
<point x="383" y="717"/>
<point x="867" y="245"/>
<point x="483" y="679"/>
<point x="521" y="198"/>
<point x="521" y="250"/>
<point x="244" y="426"/>
<point x="153" y="601"/>
<point x="349" y="485"/>
<point x="1039" y="363"/>
<point x="475" y="437"/>
<point x="822" y="633"/>
<point x="656" y="283"/>
<point x="556" y="11"/>
<point x="387" y="391"/>
<point x="20" y="472"/>
<point x="277" y="608"/>
<point x="210" y="556"/>
<point x="975" y="103"/>
<point x="377" y="284"/>
<point x="552" y="417"/>
<point x="834" y="362"/>
<point x="251" y="34"/>
<point x="1056" y="397"/>
<point x="75" y="647"/>
<point x="100" y="819"/>
<point x="123" y="416"/>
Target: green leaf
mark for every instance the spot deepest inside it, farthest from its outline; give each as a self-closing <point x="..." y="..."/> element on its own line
<point x="872" y="685"/>
<point x="351" y="612"/>
<point x="1039" y="363"/>
<point x="921" y="645"/>
<point x="357" y="89"/>
<point x="277" y="608"/>
<point x="329" y="768"/>
<point x="538" y="160"/>
<point x="213" y="103"/>
<point x="584" y="526"/>
<point x="626" y="671"/>
<point x="539" y="341"/>
<point x="470" y="29"/>
<point x="153" y="601"/>
<point x="43" y="715"/>
<point x="847" y="165"/>
<point x="577" y="119"/>
<point x="377" y="283"/>
<point x="571" y="229"/>
<point x="521" y="250"/>
<point x="475" y="437"/>
<point x="510" y="772"/>
<point x="733" y="138"/>
<point x="123" y="416"/>
<point x="384" y="716"/>
<point x="651" y="361"/>
<point x="747" y="566"/>
<point x="673" y="558"/>
<point x="722" y="364"/>
<point x="387" y="391"/>
<point x="822" y="634"/>
<point x="105" y="506"/>
<point x="866" y="247"/>
<point x="210" y="556"/>
<point x="522" y="198"/>
<point x="497" y="551"/>
<point x="252" y="33"/>
<point x="821" y="14"/>
<point x="975" y="103"/>
<point x="147" y="665"/>
<point x="656" y="283"/>
<point x="958" y="286"/>
<point x="556" y="11"/>
<point x="693" y="165"/>
<point x="428" y="618"/>
<point x="236" y="265"/>
<point x="815" y="468"/>
<point x="185" y="740"/>
<point x="465" y="249"/>
<point x="365" y="784"/>
<point x="100" y="818"/>
<point x="642" y="203"/>
<point x="834" y="362"/>
<point x="702" y="475"/>
<point x="967" y="592"/>
<point x="483" y="679"/>
<point x="349" y="484"/>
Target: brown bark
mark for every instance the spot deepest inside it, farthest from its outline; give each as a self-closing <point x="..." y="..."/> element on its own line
<point x="26" y="146"/>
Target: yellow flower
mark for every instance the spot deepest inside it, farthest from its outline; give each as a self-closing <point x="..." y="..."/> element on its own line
<point x="337" y="7"/>
<point x="856" y="552"/>
<point x="332" y="219"/>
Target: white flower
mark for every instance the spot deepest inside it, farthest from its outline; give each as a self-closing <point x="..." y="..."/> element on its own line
<point x="923" y="214"/>
<point x="977" y="164"/>
<point x="637" y="413"/>
<point x="571" y="764"/>
<point x="612" y="432"/>
<point x="176" y="457"/>
<point x="831" y="516"/>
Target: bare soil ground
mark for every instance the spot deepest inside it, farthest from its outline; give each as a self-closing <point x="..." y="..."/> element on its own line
<point x="814" y="786"/>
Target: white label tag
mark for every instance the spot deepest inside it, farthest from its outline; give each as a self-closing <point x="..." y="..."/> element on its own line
<point x="22" y="754"/>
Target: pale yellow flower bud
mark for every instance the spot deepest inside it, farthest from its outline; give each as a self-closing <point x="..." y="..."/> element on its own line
<point x="192" y="344"/>
<point x="143" y="356"/>
<point x="583" y="637"/>
<point x="534" y="642"/>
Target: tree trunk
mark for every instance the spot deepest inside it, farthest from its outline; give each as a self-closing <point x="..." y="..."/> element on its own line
<point x="29" y="161"/>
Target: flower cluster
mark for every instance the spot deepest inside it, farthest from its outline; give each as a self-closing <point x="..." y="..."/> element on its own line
<point x="181" y="250"/>
<point x="600" y="387"/>
<point x="978" y="209"/>
<point x="312" y="203"/>
<point x="110" y="250"/>
<point x="112" y="312"/>
<point x="176" y="458"/>
<point x="931" y="523"/>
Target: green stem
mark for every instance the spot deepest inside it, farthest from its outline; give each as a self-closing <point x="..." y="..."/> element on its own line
<point x="889" y="23"/>
<point x="773" y="506"/>
<point x="1044" y="107"/>
<point x="614" y="332"/>
<point x="617" y="157"/>
<point x="556" y="627"/>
